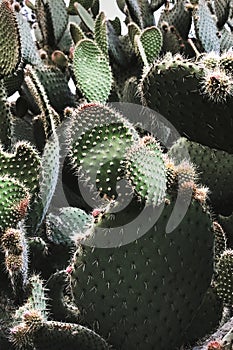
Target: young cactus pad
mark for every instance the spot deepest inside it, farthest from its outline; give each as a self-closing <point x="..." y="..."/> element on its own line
<point x="100" y="138"/>
<point x="92" y="71"/>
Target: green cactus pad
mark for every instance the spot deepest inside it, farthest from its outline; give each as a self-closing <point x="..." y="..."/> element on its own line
<point x="92" y="71"/>
<point x="56" y="88"/>
<point x="95" y="8"/>
<point x="68" y="226"/>
<point x="37" y="90"/>
<point x="101" y="145"/>
<point x="140" y="13"/>
<point x="226" y="40"/>
<point x="146" y="172"/>
<point x="133" y="30"/>
<point x="220" y="242"/>
<point x="29" y="51"/>
<point x="76" y="33"/>
<point x="147" y="292"/>
<point x="23" y="164"/>
<point x="222" y="10"/>
<point x="116" y="24"/>
<point x="226" y="223"/>
<point x="101" y="33"/>
<point x="156" y="4"/>
<point x="13" y="82"/>
<point x="207" y="318"/>
<point x="151" y="40"/>
<point x="50" y="165"/>
<point x="85" y="16"/>
<point x="121" y="4"/>
<point x="53" y="19"/>
<point x="32" y="327"/>
<point x="206" y="28"/>
<point x="36" y="301"/>
<point x="10" y="45"/>
<point x="224" y="279"/>
<point x="65" y="43"/>
<point x="87" y="4"/>
<point x="14" y="199"/>
<point x="214" y="168"/>
<point x="68" y="335"/>
<point x="130" y="92"/>
<point x="173" y="87"/>
<point x="47" y="180"/>
<point x="6" y="117"/>
<point x="179" y="17"/>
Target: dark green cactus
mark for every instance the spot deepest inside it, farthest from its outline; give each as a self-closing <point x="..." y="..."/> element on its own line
<point x="138" y="305"/>
<point x="198" y="93"/>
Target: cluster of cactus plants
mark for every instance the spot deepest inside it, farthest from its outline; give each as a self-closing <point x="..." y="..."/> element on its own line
<point x="112" y="238"/>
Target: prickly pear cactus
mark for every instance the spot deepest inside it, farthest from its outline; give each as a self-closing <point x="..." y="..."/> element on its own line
<point x="116" y="229"/>
<point x="151" y="287"/>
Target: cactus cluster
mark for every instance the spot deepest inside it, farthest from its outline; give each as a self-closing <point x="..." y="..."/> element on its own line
<point x="114" y="234"/>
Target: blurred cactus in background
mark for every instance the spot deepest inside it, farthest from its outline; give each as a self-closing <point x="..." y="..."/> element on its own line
<point x="137" y="252"/>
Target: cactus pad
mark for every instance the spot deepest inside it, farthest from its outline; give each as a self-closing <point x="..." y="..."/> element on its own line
<point x="146" y="171"/>
<point x="146" y="292"/>
<point x="14" y="199"/>
<point x="224" y="279"/>
<point x="151" y="40"/>
<point x="206" y="28"/>
<point x="173" y="87"/>
<point x="26" y="172"/>
<point x="99" y="145"/>
<point x="53" y="19"/>
<point x="92" y="71"/>
<point x="101" y="33"/>
<point x="10" y="45"/>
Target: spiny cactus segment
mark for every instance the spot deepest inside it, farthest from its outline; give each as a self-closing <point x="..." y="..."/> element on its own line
<point x="15" y="199"/>
<point x="6" y="118"/>
<point x="90" y="64"/>
<point x="52" y="19"/>
<point x="145" y="168"/>
<point x="33" y="328"/>
<point x="10" y="47"/>
<point x="14" y="246"/>
<point x="100" y="138"/>
<point x="101" y="33"/>
<point x="24" y="164"/>
<point x="224" y="277"/>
